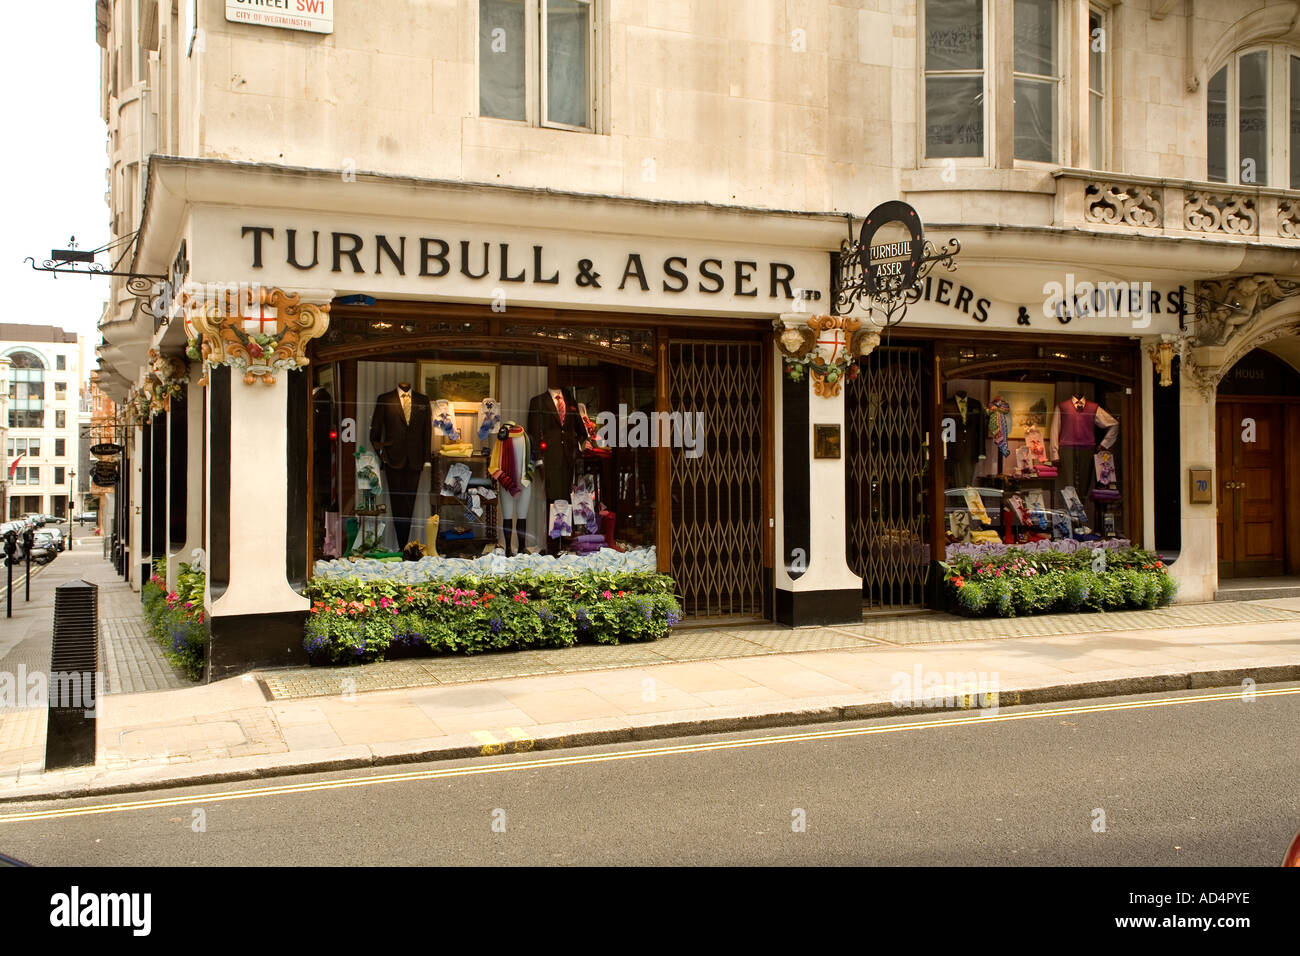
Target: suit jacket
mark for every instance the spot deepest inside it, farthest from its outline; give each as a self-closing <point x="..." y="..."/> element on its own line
<point x="970" y="436"/>
<point x="563" y="440"/>
<point x="402" y="446"/>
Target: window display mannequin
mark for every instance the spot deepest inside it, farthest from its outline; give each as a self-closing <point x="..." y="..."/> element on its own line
<point x="511" y="466"/>
<point x="558" y="436"/>
<point x="1074" y="439"/>
<point x="967" y="446"/>
<point x="401" y="431"/>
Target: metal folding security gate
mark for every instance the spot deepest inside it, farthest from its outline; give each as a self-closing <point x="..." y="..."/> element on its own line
<point x="717" y="496"/>
<point x="887" y="473"/>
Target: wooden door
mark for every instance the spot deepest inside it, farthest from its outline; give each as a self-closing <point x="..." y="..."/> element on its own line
<point x="1252" y="503"/>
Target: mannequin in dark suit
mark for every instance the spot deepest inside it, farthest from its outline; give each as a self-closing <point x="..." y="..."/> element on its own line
<point x="403" y="448"/>
<point x="557" y="442"/>
<point x="969" y="437"/>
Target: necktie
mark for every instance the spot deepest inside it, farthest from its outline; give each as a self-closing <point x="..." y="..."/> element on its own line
<point x="559" y="405"/>
<point x="406" y="406"/>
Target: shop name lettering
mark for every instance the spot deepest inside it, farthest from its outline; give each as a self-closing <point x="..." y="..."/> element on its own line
<point x="433" y="258"/>
<point x="1066" y="302"/>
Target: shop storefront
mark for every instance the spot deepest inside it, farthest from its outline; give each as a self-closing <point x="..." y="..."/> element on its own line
<point x="389" y="370"/>
<point x="982" y="423"/>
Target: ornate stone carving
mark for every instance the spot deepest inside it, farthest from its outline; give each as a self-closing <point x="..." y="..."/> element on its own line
<point x="1122" y="204"/>
<point x="1288" y="218"/>
<point x="221" y="338"/>
<point x="1230" y="213"/>
<point x="828" y="347"/>
<point x="1224" y="306"/>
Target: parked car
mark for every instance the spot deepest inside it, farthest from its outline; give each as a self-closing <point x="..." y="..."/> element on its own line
<point x="87" y="517"/>
<point x="37" y="520"/>
<point x="60" y="539"/>
<point x="44" y="550"/>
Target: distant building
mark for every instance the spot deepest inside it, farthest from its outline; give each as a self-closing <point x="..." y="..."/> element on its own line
<point x="41" y="438"/>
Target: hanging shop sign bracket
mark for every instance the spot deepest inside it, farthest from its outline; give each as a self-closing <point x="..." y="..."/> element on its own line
<point x="881" y="268"/>
<point x="74" y="261"/>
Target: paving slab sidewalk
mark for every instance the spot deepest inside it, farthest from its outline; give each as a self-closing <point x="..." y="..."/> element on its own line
<point x="237" y="729"/>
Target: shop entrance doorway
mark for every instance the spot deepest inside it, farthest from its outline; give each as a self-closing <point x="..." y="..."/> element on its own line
<point x="1252" y="502"/>
<point x="888" y="407"/>
<point x="1257" y="458"/>
<point x="716" y="488"/>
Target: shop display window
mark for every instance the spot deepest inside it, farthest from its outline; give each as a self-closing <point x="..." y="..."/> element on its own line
<point x="468" y="452"/>
<point x="1032" y="456"/>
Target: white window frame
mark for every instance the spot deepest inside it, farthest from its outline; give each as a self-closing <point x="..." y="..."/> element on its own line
<point x="535" y="69"/>
<point x="592" y="99"/>
<point x="1103" y="17"/>
<point x="1279" y="118"/>
<point x="990" y="107"/>
<point x="1058" y="119"/>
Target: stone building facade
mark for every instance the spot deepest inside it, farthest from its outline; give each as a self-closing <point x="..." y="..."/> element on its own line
<point x="1119" y="177"/>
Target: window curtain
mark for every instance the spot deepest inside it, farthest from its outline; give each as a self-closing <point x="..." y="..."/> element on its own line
<point x="502" y="44"/>
<point x="568" y="36"/>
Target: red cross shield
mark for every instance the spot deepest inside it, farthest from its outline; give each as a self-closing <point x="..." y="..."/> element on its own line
<point x="835" y="338"/>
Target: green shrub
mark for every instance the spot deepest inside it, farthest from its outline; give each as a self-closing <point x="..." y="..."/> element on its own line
<point x="176" y="619"/>
<point x="1028" y="582"/>
<point x="349" y="623"/>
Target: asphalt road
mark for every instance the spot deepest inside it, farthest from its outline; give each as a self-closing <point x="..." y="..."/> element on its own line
<point x="1193" y="782"/>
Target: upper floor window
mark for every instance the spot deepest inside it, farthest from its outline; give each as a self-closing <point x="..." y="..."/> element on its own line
<point x="1253" y="119"/>
<point x="1037" y="81"/>
<point x="1096" y="89"/>
<point x="61" y="362"/>
<point x="60" y="445"/>
<point x="27" y="447"/>
<point x="954" y="78"/>
<point x="537" y="62"/>
<point x="958" y="105"/>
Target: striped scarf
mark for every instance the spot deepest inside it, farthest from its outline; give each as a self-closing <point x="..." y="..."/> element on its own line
<point x="1000" y="424"/>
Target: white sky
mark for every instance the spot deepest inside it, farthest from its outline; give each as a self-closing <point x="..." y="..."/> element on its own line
<point x="53" y="164"/>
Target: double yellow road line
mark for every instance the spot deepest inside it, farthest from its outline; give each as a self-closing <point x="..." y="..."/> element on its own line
<point x="572" y="760"/>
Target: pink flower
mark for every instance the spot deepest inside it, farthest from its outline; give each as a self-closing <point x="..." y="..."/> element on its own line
<point x="606" y="595"/>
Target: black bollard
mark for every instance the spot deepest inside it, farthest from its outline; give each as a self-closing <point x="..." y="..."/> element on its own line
<point x="74" y="677"/>
<point x="11" y="548"/>
<point x="29" y="539"/>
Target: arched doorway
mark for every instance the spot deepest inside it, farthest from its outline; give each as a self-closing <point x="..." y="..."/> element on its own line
<point x="1257" y="431"/>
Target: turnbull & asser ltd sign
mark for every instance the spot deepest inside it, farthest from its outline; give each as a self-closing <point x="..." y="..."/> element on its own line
<point x="486" y="263"/>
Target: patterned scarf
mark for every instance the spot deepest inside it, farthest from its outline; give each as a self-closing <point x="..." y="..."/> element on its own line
<point x="1000" y="424"/>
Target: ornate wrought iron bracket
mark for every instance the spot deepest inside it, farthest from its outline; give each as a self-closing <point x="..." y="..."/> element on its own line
<point x="74" y="261"/>
<point x="887" y="306"/>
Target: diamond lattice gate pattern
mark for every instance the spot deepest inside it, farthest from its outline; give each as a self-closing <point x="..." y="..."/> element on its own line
<point x="886" y="474"/>
<point x="717" y="497"/>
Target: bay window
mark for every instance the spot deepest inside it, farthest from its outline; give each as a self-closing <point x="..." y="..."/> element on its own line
<point x="954" y="78"/>
<point x="1036" y="80"/>
<point x="958" y="40"/>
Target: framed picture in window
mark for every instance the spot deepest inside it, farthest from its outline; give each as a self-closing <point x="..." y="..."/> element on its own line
<point x="1031" y="404"/>
<point x="464" y="385"/>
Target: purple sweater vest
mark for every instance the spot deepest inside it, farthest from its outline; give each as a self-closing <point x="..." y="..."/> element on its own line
<point x="1078" y="428"/>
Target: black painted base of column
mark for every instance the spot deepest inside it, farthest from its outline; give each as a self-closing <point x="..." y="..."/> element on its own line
<point x="813" y="608"/>
<point x="245" y="642"/>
